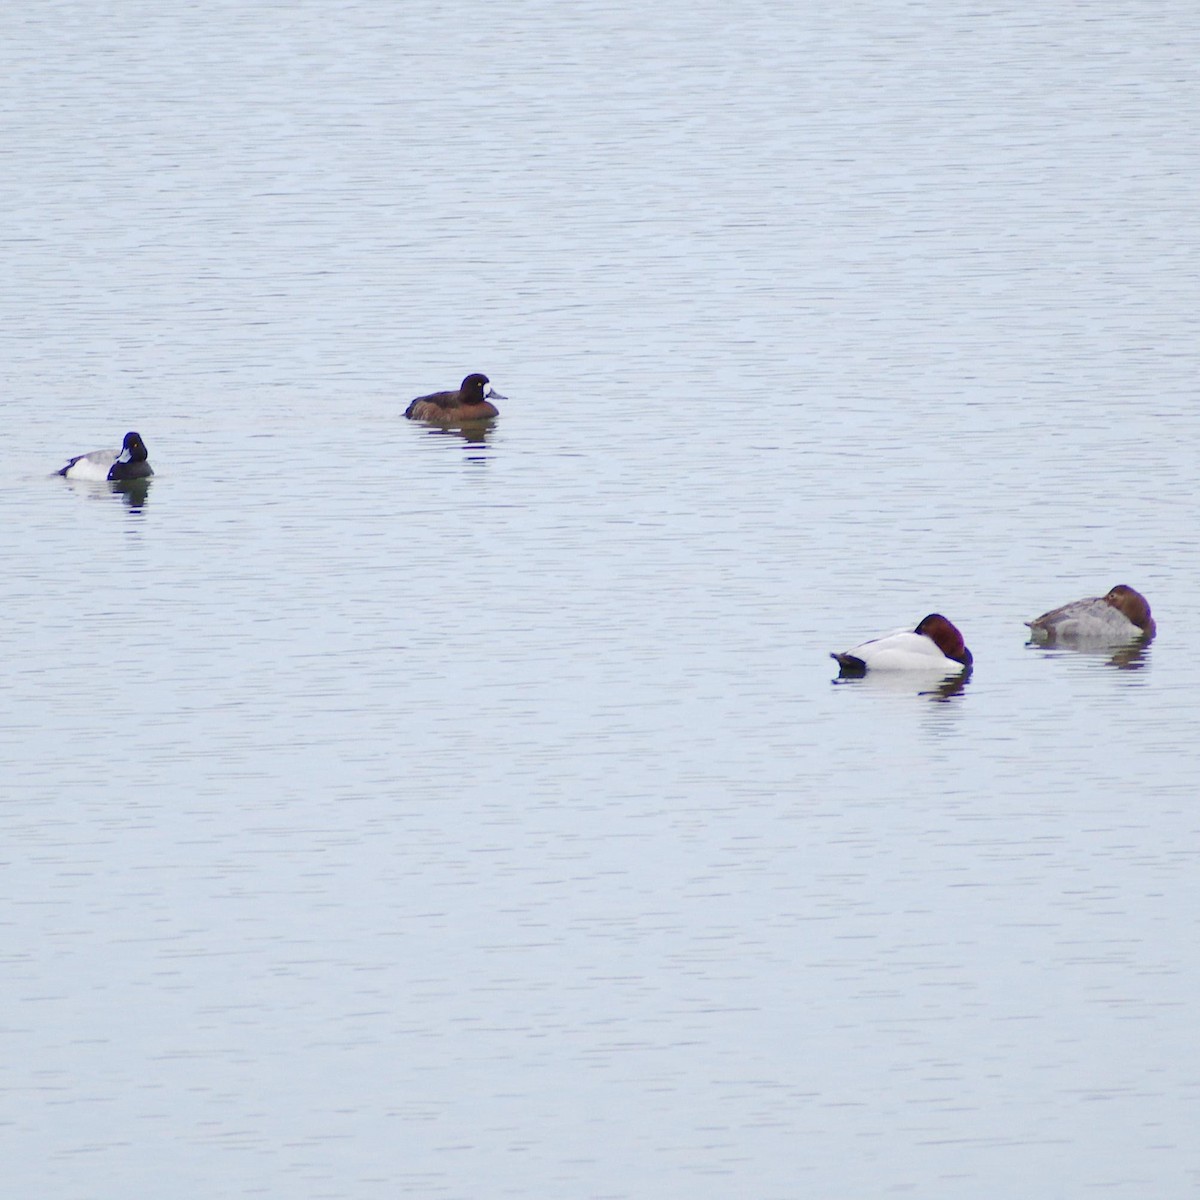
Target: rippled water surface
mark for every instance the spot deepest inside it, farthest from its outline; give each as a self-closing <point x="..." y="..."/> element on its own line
<point x="392" y="812"/>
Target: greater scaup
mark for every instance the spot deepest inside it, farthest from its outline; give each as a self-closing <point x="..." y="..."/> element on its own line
<point x="472" y="402"/>
<point x="127" y="463"/>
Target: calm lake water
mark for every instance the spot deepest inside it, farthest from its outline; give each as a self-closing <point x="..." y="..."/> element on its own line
<point x="390" y="813"/>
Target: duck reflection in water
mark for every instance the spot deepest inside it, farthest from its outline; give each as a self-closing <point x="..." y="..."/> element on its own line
<point x="895" y="683"/>
<point x="473" y="436"/>
<point x="1133" y="656"/>
<point x="133" y="492"/>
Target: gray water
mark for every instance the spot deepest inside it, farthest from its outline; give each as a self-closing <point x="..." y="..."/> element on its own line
<point x="388" y="812"/>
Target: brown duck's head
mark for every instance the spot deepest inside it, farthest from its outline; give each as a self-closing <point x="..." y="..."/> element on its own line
<point x="1132" y="603"/>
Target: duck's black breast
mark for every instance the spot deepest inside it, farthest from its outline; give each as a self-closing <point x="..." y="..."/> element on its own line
<point x="130" y="470"/>
<point x="131" y="462"/>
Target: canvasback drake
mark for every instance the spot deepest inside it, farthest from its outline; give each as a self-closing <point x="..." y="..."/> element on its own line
<point x="1120" y="616"/>
<point x="472" y="402"/>
<point x="112" y="465"/>
<point x="935" y="645"/>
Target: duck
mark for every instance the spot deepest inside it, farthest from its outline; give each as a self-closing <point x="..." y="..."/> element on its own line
<point x="112" y="465"/>
<point x="472" y="402"/>
<point x="935" y="645"/>
<point x="1122" y="615"/>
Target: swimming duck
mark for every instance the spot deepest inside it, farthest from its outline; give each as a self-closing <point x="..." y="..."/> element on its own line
<point x="127" y="463"/>
<point x="472" y="402"/>
<point x="935" y="645"/>
<point x="1120" y="616"/>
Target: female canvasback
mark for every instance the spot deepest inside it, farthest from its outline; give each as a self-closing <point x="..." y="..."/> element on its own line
<point x="935" y="645"/>
<point x="472" y="402"/>
<point x="1120" y="616"/>
<point x="127" y="463"/>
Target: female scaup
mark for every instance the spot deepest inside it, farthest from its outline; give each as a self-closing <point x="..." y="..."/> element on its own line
<point x="935" y="645"/>
<point x="127" y="463"/>
<point x="1120" y="616"/>
<point x="472" y="402"/>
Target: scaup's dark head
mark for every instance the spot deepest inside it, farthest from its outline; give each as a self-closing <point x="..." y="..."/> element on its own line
<point x="477" y="388"/>
<point x="131" y="462"/>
